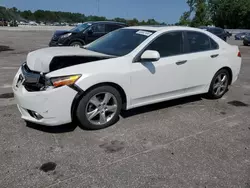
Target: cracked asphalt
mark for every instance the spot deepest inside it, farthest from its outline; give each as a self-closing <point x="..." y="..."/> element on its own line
<point x="190" y="142"/>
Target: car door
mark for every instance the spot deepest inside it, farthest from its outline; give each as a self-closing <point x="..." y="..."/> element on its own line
<point x="203" y="60"/>
<point x="162" y="79"/>
<point x="96" y="31"/>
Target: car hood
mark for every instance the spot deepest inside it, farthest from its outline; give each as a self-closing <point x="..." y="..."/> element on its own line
<point x="61" y="32"/>
<point x="39" y="60"/>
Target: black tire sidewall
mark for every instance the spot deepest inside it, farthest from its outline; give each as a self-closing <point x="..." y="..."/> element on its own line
<point x="80" y="112"/>
<point x="211" y="93"/>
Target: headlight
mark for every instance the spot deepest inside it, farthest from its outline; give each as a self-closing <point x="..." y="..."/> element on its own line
<point x="62" y="81"/>
<point x="66" y="35"/>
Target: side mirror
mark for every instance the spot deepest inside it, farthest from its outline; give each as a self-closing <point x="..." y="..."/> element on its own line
<point x="150" y="55"/>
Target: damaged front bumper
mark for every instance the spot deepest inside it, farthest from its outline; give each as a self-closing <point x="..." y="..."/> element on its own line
<point x="47" y="107"/>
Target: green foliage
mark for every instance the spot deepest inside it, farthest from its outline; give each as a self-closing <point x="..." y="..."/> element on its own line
<point x="58" y="16"/>
<point x="200" y="10"/>
<point x="8" y="14"/>
<point x="222" y="13"/>
<point x="231" y="14"/>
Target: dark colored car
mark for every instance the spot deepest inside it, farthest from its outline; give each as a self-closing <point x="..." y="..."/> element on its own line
<point x="240" y="36"/>
<point x="217" y="31"/>
<point x="228" y="34"/>
<point x="246" y="40"/>
<point x="84" y="33"/>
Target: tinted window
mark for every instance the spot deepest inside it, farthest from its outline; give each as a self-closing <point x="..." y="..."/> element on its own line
<point x="119" y="42"/>
<point x="98" y="28"/>
<point x="112" y="27"/>
<point x="218" y="31"/>
<point x="200" y="42"/>
<point x="81" y="27"/>
<point x="168" y="44"/>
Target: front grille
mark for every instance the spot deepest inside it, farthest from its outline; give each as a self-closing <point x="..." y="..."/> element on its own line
<point x="33" y="81"/>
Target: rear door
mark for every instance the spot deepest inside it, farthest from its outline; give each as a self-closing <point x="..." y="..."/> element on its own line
<point x="203" y="60"/>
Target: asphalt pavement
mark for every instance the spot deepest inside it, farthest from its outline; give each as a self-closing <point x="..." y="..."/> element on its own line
<point x="190" y="142"/>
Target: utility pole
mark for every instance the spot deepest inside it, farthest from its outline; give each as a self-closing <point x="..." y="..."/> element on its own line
<point x="98" y="7"/>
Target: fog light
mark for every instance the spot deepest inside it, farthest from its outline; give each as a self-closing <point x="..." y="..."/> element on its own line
<point x="35" y="114"/>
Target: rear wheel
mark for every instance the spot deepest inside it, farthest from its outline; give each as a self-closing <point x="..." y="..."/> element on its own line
<point x="219" y="84"/>
<point x="99" y="108"/>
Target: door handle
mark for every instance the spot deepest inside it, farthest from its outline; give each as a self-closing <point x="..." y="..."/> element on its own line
<point x="215" y="55"/>
<point x="181" y="62"/>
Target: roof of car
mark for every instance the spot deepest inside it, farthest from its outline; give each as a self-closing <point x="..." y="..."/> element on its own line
<point x="164" y="28"/>
<point x="209" y="27"/>
<point x="95" y="22"/>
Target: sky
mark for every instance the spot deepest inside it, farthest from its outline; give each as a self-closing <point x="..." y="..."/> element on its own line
<point x="168" y="11"/>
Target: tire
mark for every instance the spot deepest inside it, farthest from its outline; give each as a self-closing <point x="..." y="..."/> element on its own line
<point x="245" y="44"/>
<point x="93" y="103"/>
<point x="216" y="84"/>
<point x="76" y="44"/>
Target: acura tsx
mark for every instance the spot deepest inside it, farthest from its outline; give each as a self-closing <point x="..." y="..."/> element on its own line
<point x="125" y="69"/>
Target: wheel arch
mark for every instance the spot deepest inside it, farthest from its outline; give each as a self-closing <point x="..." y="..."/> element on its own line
<point x="77" y="40"/>
<point x="230" y="73"/>
<point x="82" y="93"/>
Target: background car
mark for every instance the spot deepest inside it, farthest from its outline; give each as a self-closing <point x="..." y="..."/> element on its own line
<point x="3" y="22"/>
<point x="228" y="34"/>
<point x="240" y="36"/>
<point x="84" y="33"/>
<point x="216" y="31"/>
<point x="246" y="40"/>
<point x="125" y="69"/>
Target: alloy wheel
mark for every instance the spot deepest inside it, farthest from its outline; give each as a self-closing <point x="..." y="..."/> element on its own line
<point x="220" y="84"/>
<point x="76" y="45"/>
<point x="101" y="108"/>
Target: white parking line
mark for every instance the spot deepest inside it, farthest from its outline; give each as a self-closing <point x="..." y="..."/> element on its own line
<point x="14" y="68"/>
<point x="6" y="86"/>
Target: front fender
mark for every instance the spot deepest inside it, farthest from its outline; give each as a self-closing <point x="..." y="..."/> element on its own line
<point x="88" y="81"/>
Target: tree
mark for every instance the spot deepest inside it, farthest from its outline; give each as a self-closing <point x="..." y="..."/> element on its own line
<point x="58" y="16"/>
<point x="230" y="14"/>
<point x="222" y="13"/>
<point x="200" y="10"/>
<point x="185" y="19"/>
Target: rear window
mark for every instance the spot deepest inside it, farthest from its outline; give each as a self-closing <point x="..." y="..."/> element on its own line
<point x="216" y="30"/>
<point x="199" y="42"/>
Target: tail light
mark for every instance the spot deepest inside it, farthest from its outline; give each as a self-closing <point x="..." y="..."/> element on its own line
<point x="239" y="54"/>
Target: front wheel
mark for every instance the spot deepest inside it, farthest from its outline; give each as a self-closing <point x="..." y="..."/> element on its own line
<point x="99" y="108"/>
<point x="76" y="44"/>
<point x="219" y="84"/>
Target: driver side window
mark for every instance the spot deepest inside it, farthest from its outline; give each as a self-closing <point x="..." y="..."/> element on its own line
<point x="168" y="44"/>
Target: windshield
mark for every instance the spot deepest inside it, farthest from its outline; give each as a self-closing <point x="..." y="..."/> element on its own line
<point x="81" y="27"/>
<point x="119" y="42"/>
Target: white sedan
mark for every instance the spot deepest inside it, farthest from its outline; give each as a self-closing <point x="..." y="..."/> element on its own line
<point x="127" y="68"/>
